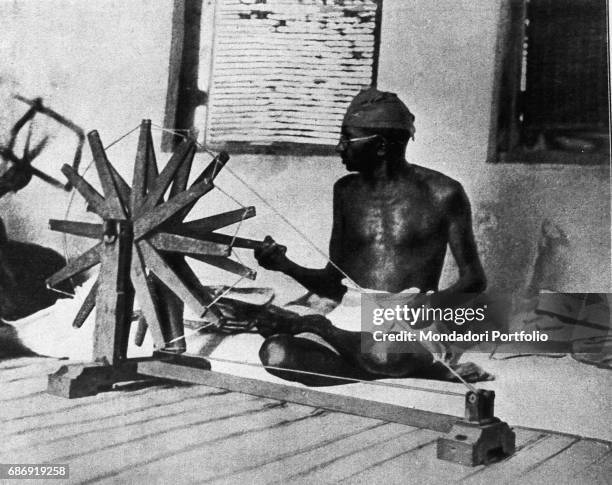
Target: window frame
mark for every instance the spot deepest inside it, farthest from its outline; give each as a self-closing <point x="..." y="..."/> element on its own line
<point x="504" y="143"/>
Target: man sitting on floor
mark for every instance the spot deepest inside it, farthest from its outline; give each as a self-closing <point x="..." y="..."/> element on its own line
<point x="392" y="222"/>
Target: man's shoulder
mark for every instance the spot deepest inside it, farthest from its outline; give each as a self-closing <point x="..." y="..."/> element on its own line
<point x="440" y="184"/>
<point x="347" y="181"/>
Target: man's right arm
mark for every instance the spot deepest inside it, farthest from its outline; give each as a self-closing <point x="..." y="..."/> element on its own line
<point x="325" y="282"/>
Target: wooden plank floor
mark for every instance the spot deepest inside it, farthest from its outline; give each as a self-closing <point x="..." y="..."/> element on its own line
<point x="166" y="432"/>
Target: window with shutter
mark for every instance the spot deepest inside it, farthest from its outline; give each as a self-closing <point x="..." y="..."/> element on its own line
<point x="282" y="72"/>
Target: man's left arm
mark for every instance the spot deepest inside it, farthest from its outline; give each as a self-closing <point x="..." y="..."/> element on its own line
<point x="472" y="280"/>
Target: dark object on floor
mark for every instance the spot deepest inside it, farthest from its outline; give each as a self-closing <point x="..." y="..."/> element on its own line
<point x="23" y="270"/>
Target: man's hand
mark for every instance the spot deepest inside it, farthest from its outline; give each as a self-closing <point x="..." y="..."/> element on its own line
<point x="271" y="255"/>
<point x="423" y="301"/>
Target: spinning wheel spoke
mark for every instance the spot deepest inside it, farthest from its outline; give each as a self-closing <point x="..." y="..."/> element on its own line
<point x="140" y="178"/>
<point x="88" y="305"/>
<point x="238" y="242"/>
<point x="214" y="167"/>
<point x="145" y="293"/>
<point x="226" y="264"/>
<point x="124" y="190"/>
<point x="209" y="173"/>
<point x="209" y="224"/>
<point x="158" y="215"/>
<point x="152" y="171"/>
<point x="164" y="241"/>
<point x="85" y="261"/>
<point x="113" y="201"/>
<point x="181" y="177"/>
<point x="165" y="178"/>
<point x="84" y="229"/>
<point x="182" y="269"/>
<point x="156" y="263"/>
<point x="91" y="195"/>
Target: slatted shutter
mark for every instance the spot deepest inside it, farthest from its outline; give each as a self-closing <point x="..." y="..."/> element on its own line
<point x="284" y="71"/>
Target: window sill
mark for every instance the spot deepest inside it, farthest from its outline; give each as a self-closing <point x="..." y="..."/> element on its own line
<point x="557" y="157"/>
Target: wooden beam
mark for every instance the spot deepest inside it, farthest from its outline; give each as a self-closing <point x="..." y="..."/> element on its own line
<point x="377" y="39"/>
<point x="84" y="229"/>
<point x="187" y="245"/>
<point x="111" y="195"/>
<point x="506" y="125"/>
<point x="175" y="68"/>
<point x="83" y="262"/>
<point x="157" y="215"/>
<point x="88" y="305"/>
<point x="114" y="300"/>
<point x="178" y="368"/>
<point x="183" y="94"/>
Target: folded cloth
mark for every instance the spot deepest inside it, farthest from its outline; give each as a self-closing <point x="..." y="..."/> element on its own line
<point x="347" y="315"/>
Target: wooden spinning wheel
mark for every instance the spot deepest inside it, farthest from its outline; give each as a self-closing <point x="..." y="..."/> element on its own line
<point x="142" y="241"/>
<point x="141" y="249"/>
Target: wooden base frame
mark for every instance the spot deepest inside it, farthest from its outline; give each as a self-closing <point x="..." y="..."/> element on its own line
<point x="477" y="439"/>
<point x="82" y="380"/>
<point x="183" y="368"/>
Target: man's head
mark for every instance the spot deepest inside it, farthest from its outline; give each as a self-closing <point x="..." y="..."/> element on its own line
<point x="376" y="124"/>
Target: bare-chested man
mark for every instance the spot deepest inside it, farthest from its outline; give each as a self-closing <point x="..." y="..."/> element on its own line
<point x="392" y="222"/>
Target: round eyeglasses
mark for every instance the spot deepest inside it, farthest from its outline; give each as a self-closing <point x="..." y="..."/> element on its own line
<point x="347" y="141"/>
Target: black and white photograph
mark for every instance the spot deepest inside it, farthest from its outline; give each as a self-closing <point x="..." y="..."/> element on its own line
<point x="305" y="241"/>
